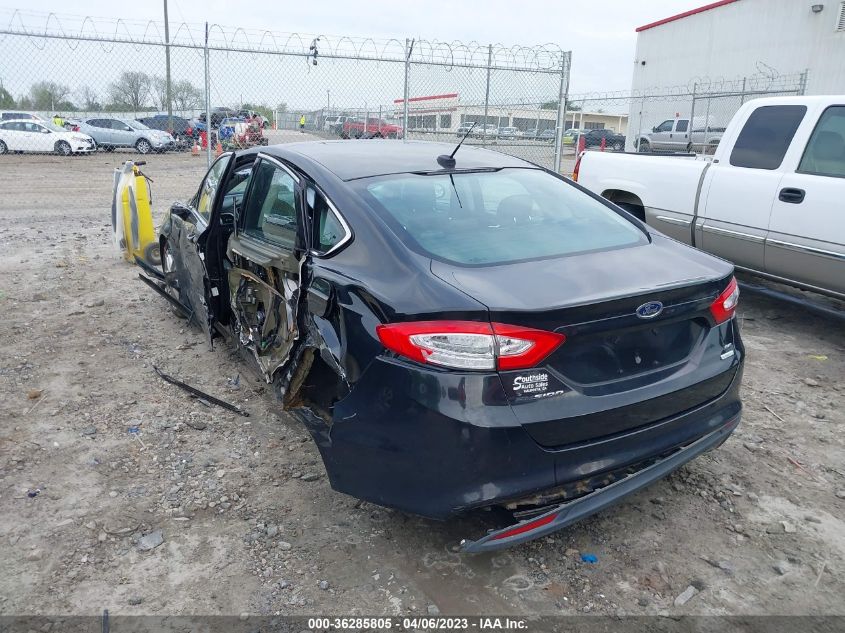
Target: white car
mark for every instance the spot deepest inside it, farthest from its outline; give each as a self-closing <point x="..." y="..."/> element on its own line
<point x="24" y="135"/>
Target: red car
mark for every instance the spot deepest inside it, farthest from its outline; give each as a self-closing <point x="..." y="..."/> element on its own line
<point x="374" y="128"/>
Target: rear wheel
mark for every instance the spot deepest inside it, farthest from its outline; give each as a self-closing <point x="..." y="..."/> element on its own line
<point x="645" y="146"/>
<point x="3" y="148"/>
<point x="63" y="148"/>
<point x="617" y="146"/>
<point x="143" y="146"/>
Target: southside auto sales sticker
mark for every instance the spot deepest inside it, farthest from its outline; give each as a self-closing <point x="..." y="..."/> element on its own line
<point x="536" y="384"/>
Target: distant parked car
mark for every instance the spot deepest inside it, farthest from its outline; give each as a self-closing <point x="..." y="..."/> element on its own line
<point x="530" y="133"/>
<point x="12" y="115"/>
<point x="182" y="128"/>
<point x="464" y="128"/>
<point x="111" y="133"/>
<point x="547" y="135"/>
<point x="485" y="130"/>
<point x="252" y="115"/>
<point x="217" y="115"/>
<point x="29" y="135"/>
<point x="508" y="132"/>
<point x="334" y="124"/>
<point x="570" y="136"/>
<point x="614" y="141"/>
<point x="374" y="128"/>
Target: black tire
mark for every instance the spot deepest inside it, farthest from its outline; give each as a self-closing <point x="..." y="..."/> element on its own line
<point x="617" y="146"/>
<point x="143" y="146"/>
<point x="63" y="148"/>
<point x="168" y="266"/>
<point x="152" y="254"/>
<point x="645" y="147"/>
<point x="3" y="148"/>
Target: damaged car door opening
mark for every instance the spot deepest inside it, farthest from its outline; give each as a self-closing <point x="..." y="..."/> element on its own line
<point x="489" y="335"/>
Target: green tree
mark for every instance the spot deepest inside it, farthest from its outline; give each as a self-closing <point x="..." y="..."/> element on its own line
<point x="130" y="91"/>
<point x="49" y="95"/>
<point x="186" y="96"/>
<point x="88" y="100"/>
<point x="6" y="99"/>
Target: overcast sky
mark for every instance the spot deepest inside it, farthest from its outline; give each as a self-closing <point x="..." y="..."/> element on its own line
<point x="600" y="33"/>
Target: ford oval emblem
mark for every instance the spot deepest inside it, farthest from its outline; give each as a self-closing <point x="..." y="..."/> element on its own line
<point x="649" y="310"/>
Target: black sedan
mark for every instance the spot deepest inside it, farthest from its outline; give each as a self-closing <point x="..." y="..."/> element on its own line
<point x="178" y="127"/>
<point x="612" y="140"/>
<point x="465" y="335"/>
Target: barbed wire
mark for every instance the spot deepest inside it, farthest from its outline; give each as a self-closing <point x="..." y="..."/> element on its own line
<point x="702" y="86"/>
<point x="74" y="29"/>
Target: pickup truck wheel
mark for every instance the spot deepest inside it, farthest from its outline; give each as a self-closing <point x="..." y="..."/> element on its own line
<point x="644" y="147"/>
<point x="3" y="148"/>
<point x="617" y="147"/>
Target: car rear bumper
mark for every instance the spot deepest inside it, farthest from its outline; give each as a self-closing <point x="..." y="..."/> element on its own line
<point x="440" y="443"/>
<point x="573" y="511"/>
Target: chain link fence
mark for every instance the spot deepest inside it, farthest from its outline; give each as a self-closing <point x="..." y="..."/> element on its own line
<point x="64" y="80"/>
<point x="689" y="118"/>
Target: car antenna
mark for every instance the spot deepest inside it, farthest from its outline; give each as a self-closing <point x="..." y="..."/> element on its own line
<point x="447" y="162"/>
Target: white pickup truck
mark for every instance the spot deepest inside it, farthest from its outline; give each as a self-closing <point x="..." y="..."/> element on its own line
<point x="771" y="199"/>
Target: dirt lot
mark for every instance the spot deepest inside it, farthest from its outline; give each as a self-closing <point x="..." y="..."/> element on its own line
<point x="96" y="452"/>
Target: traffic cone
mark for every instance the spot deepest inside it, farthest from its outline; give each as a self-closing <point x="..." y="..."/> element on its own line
<point x="195" y="150"/>
<point x="218" y="149"/>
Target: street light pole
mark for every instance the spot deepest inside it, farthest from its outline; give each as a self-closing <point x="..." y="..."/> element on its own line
<point x="167" y="73"/>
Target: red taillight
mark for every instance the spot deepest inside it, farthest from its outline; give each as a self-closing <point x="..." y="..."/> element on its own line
<point x="725" y="304"/>
<point x="577" y="167"/>
<point x="469" y="344"/>
<point x="525" y="527"/>
<point x="189" y="131"/>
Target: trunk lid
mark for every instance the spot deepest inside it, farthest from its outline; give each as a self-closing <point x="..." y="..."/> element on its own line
<point x="612" y="358"/>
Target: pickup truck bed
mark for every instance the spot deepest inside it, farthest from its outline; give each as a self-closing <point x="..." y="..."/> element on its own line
<point x="771" y="199"/>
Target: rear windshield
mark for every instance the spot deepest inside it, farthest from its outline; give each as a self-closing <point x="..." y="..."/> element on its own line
<point x="496" y="217"/>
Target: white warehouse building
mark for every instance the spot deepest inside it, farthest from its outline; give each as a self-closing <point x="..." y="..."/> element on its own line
<point x="732" y="39"/>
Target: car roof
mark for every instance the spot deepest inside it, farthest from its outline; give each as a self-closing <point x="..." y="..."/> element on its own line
<point x="22" y="121"/>
<point x="349" y="160"/>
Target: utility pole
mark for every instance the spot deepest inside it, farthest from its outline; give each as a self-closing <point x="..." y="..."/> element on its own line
<point x="328" y="102"/>
<point x="167" y="72"/>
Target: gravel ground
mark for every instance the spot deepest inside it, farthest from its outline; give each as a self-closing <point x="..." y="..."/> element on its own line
<point x="118" y="491"/>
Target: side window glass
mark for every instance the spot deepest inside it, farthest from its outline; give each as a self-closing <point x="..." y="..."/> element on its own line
<point x="329" y="231"/>
<point x="825" y="152"/>
<point x="205" y="198"/>
<point x="766" y="136"/>
<point x="681" y="125"/>
<point x="666" y="126"/>
<point x="270" y="212"/>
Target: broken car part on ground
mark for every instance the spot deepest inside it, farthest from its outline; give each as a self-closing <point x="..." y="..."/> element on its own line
<point x="484" y="335"/>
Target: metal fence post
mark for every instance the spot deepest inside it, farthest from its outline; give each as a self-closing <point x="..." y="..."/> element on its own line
<point x="409" y="47"/>
<point x="208" y="152"/>
<point x="561" y="108"/>
<point x="691" y="127"/>
<point x="742" y="98"/>
<point x="487" y="94"/>
<point x="802" y="87"/>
